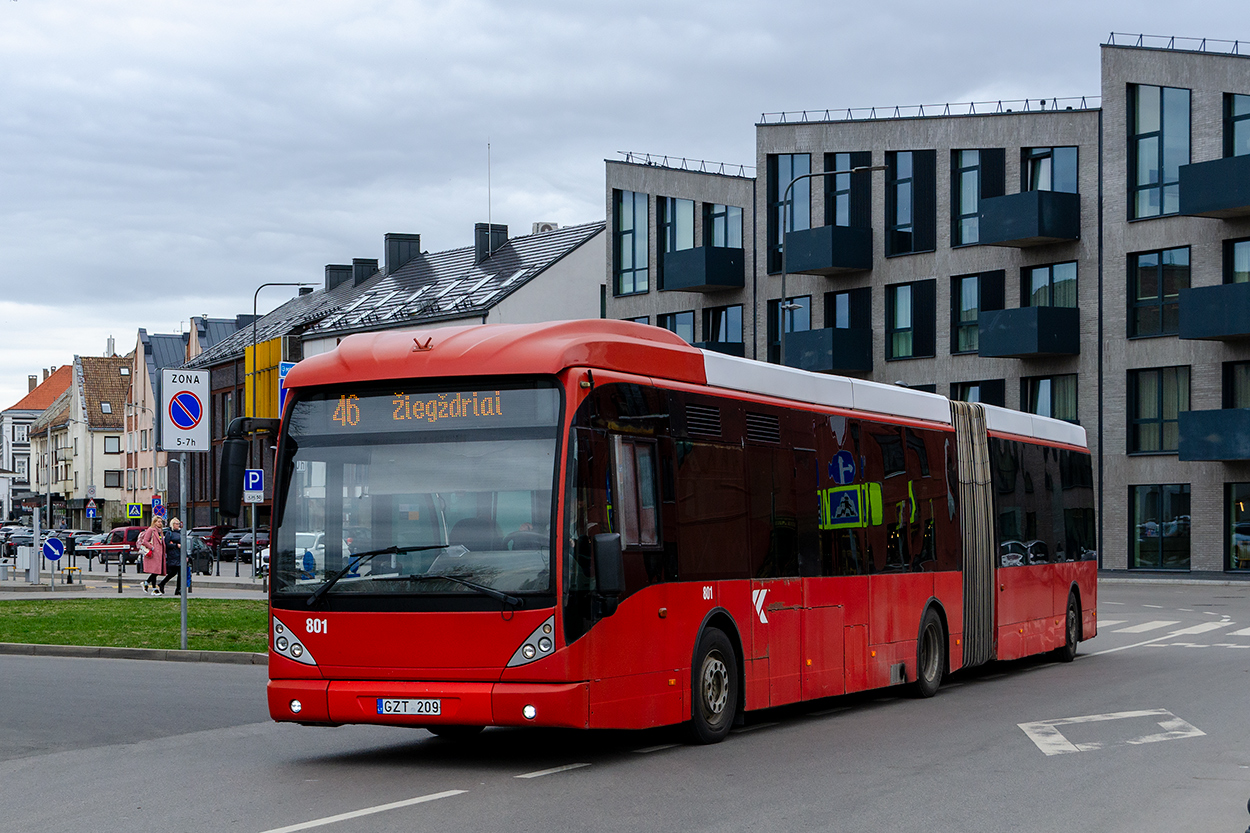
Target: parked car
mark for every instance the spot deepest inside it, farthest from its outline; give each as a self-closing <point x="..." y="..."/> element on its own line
<point x="238" y="544"/>
<point x="120" y="542"/>
<point x="212" y="536"/>
<point x="201" y="556"/>
<point x="310" y="554"/>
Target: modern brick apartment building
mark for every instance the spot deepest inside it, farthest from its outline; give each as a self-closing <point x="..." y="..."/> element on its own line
<point x="1087" y="259"/>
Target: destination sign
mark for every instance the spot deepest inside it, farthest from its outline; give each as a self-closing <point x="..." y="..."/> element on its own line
<point x="417" y="410"/>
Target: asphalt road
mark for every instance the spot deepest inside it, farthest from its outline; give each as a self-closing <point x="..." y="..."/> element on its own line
<point x="91" y="745"/>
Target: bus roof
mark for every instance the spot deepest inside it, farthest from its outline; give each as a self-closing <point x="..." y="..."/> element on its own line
<point x="551" y="347"/>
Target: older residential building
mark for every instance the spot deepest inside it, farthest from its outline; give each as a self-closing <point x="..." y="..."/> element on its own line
<point x="76" y="444"/>
<point x="1078" y="258"/>
<point x="14" y="438"/>
<point x="147" y="472"/>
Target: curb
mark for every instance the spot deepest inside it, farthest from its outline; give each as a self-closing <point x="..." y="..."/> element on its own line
<point x="106" y="652"/>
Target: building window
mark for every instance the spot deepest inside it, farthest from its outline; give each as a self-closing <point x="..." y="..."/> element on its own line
<point x="676" y="227"/>
<point x="970" y="296"/>
<point x="1049" y="286"/>
<point x="910" y="207"/>
<point x="112" y="445"/>
<point x="681" y="323"/>
<point x="722" y="226"/>
<point x="849" y="309"/>
<point x="1237" y="384"/>
<point x="642" y="319"/>
<point x="20" y="433"/>
<point x="1237" y="261"/>
<point x="20" y="467"/>
<point x="112" y="479"/>
<point x="986" y="391"/>
<point x="1155" y="282"/>
<point x="106" y="407"/>
<point x="1158" y="119"/>
<point x="1049" y="169"/>
<point x="143" y="439"/>
<point x="723" y="325"/>
<point x="838" y="190"/>
<point x="797" y="319"/>
<point x="794" y="214"/>
<point x="1050" y="396"/>
<point x="1236" y="125"/>
<point x="1155" y="399"/>
<point x="909" y="320"/>
<point x="1160" y="532"/>
<point x="130" y="479"/>
<point x="965" y="196"/>
<point x="630" y="243"/>
<point x="1237" y="540"/>
<point x="143" y="478"/>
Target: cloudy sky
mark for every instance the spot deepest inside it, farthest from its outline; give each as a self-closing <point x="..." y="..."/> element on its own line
<point x="160" y="159"/>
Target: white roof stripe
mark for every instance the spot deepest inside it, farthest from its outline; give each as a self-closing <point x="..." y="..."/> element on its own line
<point x="833" y="391"/>
<point x="1008" y="421"/>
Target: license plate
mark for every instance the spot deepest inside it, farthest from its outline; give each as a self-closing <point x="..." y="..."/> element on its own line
<point x="417" y="707"/>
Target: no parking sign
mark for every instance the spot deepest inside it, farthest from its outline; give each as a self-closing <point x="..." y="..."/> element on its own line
<point x="184" y="412"/>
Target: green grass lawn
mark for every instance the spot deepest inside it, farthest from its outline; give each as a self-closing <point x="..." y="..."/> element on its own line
<point x="212" y="624"/>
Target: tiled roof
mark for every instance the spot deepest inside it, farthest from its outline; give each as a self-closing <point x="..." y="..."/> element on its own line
<point x="55" y="415"/>
<point x="210" y="331"/>
<point x="44" y="395"/>
<point x="102" y="382"/>
<point x="448" y="285"/>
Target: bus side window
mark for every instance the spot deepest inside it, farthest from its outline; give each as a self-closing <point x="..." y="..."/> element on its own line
<point x="636" y="491"/>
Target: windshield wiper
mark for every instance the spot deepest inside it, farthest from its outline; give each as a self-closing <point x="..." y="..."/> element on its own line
<point x="361" y="558"/>
<point x="472" y="585"/>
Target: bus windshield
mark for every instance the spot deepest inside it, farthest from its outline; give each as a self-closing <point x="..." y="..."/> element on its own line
<point x="459" y="480"/>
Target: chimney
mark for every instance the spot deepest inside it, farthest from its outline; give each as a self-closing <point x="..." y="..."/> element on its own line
<point x="305" y="290"/>
<point x="32" y="382"/>
<point x="45" y="374"/>
<point x="400" y="249"/>
<point x="363" y="268"/>
<point x="337" y="274"/>
<point x="488" y="239"/>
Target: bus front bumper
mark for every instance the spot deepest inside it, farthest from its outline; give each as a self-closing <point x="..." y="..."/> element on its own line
<point x="334" y="702"/>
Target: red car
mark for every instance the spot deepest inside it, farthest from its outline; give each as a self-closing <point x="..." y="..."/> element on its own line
<point x="212" y="535"/>
<point x="122" y="542"/>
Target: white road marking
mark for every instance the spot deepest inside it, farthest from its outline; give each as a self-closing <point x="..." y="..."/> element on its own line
<point x="659" y="748"/>
<point x="368" y="811"/>
<point x="1113" y="603"/>
<point x="1106" y="623"/>
<point x="1046" y="735"/>
<point x="1156" y="607"/>
<point x="551" y="771"/>
<point x="1184" y="610"/>
<point x="1242" y="632"/>
<point x="1203" y="628"/>
<point x="1148" y="626"/>
<point x="1230" y="645"/>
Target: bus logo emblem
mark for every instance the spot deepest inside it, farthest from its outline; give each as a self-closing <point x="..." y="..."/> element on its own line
<point x="757" y="596"/>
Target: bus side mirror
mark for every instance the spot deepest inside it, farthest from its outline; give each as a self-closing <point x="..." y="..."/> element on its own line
<point x="609" y="565"/>
<point x="230" y="485"/>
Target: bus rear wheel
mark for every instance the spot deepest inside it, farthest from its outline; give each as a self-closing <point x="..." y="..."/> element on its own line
<point x="1071" y="632"/>
<point x="930" y="655"/>
<point x="714" y="686"/>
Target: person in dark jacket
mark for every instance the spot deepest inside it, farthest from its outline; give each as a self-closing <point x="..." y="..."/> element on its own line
<point x="173" y="558"/>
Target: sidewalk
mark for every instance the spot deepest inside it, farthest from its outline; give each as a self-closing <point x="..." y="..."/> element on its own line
<point x="98" y="584"/>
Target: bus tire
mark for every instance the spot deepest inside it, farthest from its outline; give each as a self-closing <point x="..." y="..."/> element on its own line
<point x="455" y="732"/>
<point x="930" y="655"/>
<point x="1071" y="631"/>
<point x="714" y="687"/>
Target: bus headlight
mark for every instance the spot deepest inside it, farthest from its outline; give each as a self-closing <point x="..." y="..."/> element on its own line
<point x="287" y="646"/>
<point x="296" y="707"/>
<point x="537" y="645"/>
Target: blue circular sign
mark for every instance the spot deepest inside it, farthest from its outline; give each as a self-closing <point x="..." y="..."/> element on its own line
<point x="185" y="410"/>
<point x="842" y="469"/>
<point x="53" y="549"/>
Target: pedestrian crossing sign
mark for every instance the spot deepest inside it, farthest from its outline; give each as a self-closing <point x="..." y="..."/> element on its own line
<point x="134" y="511"/>
<point x="855" y="506"/>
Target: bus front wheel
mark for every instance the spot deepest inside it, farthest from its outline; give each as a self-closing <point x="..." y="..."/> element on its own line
<point x="714" y="685"/>
<point x="1071" y="632"/>
<point x="930" y="655"/>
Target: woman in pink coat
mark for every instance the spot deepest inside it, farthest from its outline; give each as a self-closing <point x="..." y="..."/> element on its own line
<point x="152" y="545"/>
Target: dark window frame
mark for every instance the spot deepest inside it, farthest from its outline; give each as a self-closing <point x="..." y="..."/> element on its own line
<point x="663" y="319"/>
<point x="775" y="321"/>
<point x="1026" y="284"/>
<point x="1136" y="306"/>
<point x="1029" y="395"/>
<point x="1028" y="178"/>
<point x="619" y="237"/>
<point x="1136" y="535"/>
<point x="922" y="319"/>
<point x="711" y="328"/>
<point x="995" y="388"/>
<point x="777" y="207"/>
<point x="1136" y="423"/>
<point x="1235" y="124"/>
<point x="1163" y="186"/>
<point x="1230" y="259"/>
<point x="720" y="218"/>
<point x="959" y="217"/>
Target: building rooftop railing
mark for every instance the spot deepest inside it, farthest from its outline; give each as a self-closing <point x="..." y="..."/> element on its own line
<point x="1223" y="47"/>
<point x="681" y="163"/>
<point x="919" y="111"/>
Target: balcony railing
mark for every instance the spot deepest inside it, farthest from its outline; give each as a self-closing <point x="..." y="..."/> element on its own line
<point x="704" y="269"/>
<point x="1216" y="313"/>
<point x="828" y="250"/>
<point x="1029" y="332"/>
<point x="831" y="350"/>
<point x="1219" y="188"/>
<point x="1030" y="218"/>
<point x="1215" y="435"/>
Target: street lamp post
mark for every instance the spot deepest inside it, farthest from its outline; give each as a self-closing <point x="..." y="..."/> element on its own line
<point x="784" y="305"/>
<point x="252" y="409"/>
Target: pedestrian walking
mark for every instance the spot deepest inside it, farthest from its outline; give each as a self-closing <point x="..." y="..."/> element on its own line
<point x="152" y="548"/>
<point x="173" y="558"/>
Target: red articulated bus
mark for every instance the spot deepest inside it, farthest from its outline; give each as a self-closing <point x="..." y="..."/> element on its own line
<point x="593" y="524"/>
